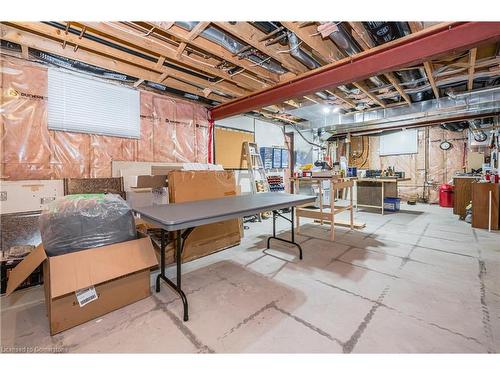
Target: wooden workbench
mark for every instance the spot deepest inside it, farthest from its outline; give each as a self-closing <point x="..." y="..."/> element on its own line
<point x="462" y="193"/>
<point x="485" y="213"/>
<point x="336" y="184"/>
<point x="370" y="192"/>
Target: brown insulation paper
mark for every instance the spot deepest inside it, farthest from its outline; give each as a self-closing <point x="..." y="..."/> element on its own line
<point x="172" y="130"/>
<point x="442" y="165"/>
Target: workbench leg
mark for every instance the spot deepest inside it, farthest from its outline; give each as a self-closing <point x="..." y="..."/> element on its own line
<point x="321" y="201"/>
<point x="297" y="220"/>
<point x="351" y="209"/>
<point x="291" y="220"/>
<point x="356" y="188"/>
<point x="178" y="259"/>
<point x="163" y="246"/>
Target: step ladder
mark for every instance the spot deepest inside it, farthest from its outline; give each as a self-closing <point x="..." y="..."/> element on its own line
<point x="256" y="170"/>
<point x="258" y="179"/>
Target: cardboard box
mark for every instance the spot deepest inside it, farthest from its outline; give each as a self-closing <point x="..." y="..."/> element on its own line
<point x="185" y="186"/>
<point x="144" y="191"/>
<point x="120" y="274"/>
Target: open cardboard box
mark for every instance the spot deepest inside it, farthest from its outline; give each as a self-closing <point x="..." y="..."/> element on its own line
<point x="119" y="273"/>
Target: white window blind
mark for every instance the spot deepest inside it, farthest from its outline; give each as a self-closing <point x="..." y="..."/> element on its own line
<point x="403" y="142"/>
<point x="83" y="105"/>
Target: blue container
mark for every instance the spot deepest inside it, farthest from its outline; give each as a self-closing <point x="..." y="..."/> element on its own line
<point x="352" y="171"/>
<point x="284" y="158"/>
<point x="276" y="157"/>
<point x="392" y="204"/>
<point x="267" y="157"/>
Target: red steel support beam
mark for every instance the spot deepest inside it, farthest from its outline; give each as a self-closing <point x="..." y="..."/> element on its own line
<point x="411" y="50"/>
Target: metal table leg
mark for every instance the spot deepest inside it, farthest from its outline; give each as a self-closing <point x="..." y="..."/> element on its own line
<point x="291" y="220"/>
<point x="180" y="241"/>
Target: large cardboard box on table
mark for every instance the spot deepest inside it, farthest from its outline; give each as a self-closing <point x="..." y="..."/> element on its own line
<point x="185" y="186"/>
<point x="119" y="274"/>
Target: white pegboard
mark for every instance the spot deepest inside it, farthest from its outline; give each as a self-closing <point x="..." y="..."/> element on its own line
<point x="28" y="195"/>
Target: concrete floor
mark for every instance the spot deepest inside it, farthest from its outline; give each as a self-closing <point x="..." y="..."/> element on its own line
<point x="416" y="281"/>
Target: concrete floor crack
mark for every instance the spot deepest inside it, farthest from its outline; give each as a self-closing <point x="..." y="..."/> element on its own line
<point x="249" y="318"/>
<point x="202" y="348"/>
<point x="349" y="345"/>
<point x="309" y="325"/>
<point x="484" y="306"/>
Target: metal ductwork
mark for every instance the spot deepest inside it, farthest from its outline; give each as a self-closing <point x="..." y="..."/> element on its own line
<point x="267" y="28"/>
<point x="234" y="46"/>
<point x="455" y="126"/>
<point x="475" y="128"/>
<point x="299" y="54"/>
<point x="119" y="47"/>
<point x="383" y="32"/>
<point x="480" y="103"/>
<point x="345" y="41"/>
<point x="293" y="42"/>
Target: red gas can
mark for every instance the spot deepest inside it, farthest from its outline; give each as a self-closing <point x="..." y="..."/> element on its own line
<point x="446" y="195"/>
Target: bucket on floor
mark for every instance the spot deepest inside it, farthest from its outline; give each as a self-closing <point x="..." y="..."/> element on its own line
<point x="392" y="204"/>
<point x="446" y="195"/>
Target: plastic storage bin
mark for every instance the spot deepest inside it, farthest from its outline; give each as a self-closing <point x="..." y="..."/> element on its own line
<point x="392" y="204"/>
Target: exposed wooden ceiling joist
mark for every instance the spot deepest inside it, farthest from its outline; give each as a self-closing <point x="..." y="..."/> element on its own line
<point x="50" y="46"/>
<point x="126" y="57"/>
<point x="252" y="36"/>
<point x="219" y="51"/>
<point x="328" y="53"/>
<point x="120" y="33"/>
<point x="415" y="26"/>
<point x="24" y="51"/>
<point x="472" y="67"/>
<point x="430" y="76"/>
<point x="364" y="40"/>
<point x="339" y="94"/>
<point x="197" y="30"/>
<point x="394" y="82"/>
<point x="366" y="91"/>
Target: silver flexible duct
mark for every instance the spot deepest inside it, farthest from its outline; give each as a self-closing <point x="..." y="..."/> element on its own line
<point x="343" y="40"/>
<point x="478" y="134"/>
<point x="299" y="54"/>
<point x="233" y="46"/>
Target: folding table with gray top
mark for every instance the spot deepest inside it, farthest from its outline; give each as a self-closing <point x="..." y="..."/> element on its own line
<point x="184" y="217"/>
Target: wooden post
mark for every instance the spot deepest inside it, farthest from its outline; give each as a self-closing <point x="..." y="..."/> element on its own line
<point x="321" y="200"/>
<point x="351" y="209"/>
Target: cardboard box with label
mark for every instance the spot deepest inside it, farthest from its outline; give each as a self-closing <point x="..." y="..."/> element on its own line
<point x="84" y="285"/>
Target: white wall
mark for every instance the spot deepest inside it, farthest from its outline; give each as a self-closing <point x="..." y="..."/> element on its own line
<point x="266" y="133"/>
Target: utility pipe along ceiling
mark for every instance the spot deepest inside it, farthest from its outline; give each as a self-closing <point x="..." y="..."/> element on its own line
<point x="295" y="55"/>
<point x="396" y="55"/>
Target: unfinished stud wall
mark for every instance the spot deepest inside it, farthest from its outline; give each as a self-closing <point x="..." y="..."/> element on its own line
<point x="172" y="130"/>
<point x="440" y="165"/>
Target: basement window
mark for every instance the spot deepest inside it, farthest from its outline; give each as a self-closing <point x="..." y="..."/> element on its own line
<point x="83" y="105"/>
<point x="399" y="143"/>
